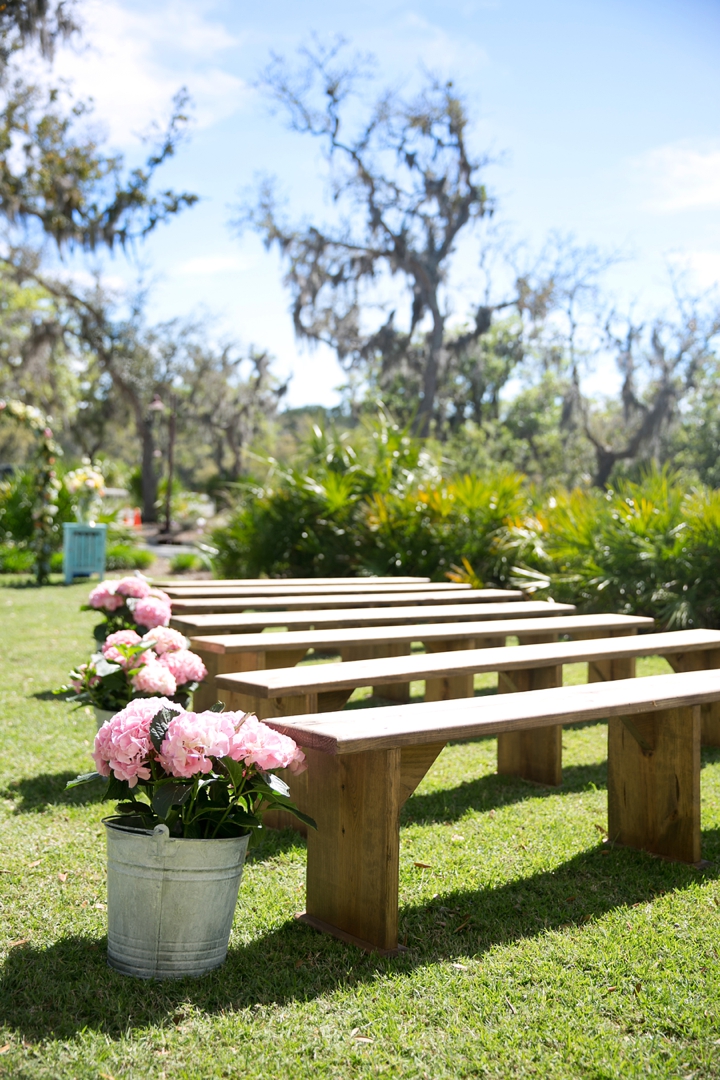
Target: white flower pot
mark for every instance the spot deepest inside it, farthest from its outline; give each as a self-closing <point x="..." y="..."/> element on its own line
<point x="171" y="901"/>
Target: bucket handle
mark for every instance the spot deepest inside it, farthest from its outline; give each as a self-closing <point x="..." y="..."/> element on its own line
<point x="162" y="836"/>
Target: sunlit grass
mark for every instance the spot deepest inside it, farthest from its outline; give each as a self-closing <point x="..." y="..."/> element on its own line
<point x="533" y="950"/>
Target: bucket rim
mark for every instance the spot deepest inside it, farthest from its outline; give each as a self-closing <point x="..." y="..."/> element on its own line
<point x="114" y="821"/>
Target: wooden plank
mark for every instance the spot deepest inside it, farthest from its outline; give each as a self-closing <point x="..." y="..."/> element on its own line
<point x="343" y="733"/>
<point x="451" y="684"/>
<point x="611" y="658"/>
<point x="194" y="625"/>
<point x="353" y="857"/>
<point x="536" y="754"/>
<point x="208" y="692"/>
<point x="335" y="581"/>
<point x="278" y="588"/>
<point x="434" y="635"/>
<point x="710" y="712"/>
<point x="283" y="603"/>
<point x="654" y="782"/>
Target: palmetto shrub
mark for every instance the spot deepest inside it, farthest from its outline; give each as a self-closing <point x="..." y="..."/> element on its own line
<point x="650" y="547"/>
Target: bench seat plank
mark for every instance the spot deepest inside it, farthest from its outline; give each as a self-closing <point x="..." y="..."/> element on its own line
<point x="314" y="679"/>
<point x="194" y="625"/>
<point x="278" y="588"/>
<point x="225" y="653"/>
<point x="226" y="604"/>
<point x="472" y="718"/>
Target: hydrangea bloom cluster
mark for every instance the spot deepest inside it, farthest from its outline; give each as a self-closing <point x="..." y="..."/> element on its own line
<point x="164" y="640"/>
<point x="105" y="598"/>
<point x="151" y="611"/>
<point x="123" y="637"/>
<point x="123" y="745"/>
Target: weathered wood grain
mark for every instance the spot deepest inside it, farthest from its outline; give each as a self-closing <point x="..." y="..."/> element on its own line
<point x="343" y="733"/>
<point x="654" y="782"/>
<point x="215" y="605"/>
<point x="346" y="639"/>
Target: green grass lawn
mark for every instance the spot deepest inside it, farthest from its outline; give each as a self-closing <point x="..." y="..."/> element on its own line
<point x="533" y="949"/>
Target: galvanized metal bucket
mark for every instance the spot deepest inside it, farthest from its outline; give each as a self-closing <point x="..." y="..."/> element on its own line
<point x="101" y="715"/>
<point x="171" y="901"/>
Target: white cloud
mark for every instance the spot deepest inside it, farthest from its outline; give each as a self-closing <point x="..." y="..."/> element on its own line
<point x="133" y="61"/>
<point x="205" y="265"/>
<point x="680" y="177"/>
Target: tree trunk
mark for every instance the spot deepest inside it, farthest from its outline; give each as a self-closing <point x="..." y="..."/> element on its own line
<point x="430" y="375"/>
<point x="149" y="476"/>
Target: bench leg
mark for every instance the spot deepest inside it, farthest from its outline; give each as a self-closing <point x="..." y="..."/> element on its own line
<point x="536" y="754"/>
<point x="654" y="782"/>
<point x="710" y="713"/>
<point x="398" y="692"/>
<point x="353" y="858"/>
<point x="226" y="663"/>
<point x="453" y="686"/>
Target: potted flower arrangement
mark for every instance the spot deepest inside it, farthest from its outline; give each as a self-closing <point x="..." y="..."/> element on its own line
<point x="130" y="666"/>
<point x="87" y="484"/>
<point x="191" y="789"/>
<point x="128" y="604"/>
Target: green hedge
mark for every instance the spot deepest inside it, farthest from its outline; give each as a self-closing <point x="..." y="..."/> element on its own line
<point x="650" y="547"/>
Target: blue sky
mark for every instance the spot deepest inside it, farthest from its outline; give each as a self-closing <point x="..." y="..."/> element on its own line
<point x="605" y="115"/>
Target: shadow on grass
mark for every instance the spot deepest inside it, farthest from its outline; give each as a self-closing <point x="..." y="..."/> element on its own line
<point x="67" y="987"/>
<point x="37" y="793"/>
<point x="487" y="792"/>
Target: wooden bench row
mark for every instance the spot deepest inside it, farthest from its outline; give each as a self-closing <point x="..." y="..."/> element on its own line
<point x="534" y="755"/>
<point x="224" y="653"/>
<point x="363" y="766"/>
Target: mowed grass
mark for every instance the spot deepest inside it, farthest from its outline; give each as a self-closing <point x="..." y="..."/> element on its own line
<point x="533" y="949"/>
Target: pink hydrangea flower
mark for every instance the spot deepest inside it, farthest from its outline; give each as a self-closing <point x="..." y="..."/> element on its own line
<point x="160" y="595"/>
<point x="154" y="678"/>
<point x="152" y="612"/>
<point x="123" y="746"/>
<point x="104" y="597"/>
<point x="164" y="640"/>
<point x="133" y="586"/>
<point x="257" y="744"/>
<point x="124" y="637"/>
<point x="185" y="665"/>
<point x="191" y="741"/>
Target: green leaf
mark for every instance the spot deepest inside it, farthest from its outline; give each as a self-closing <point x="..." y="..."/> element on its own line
<point x="217" y="707"/>
<point x="169" y="795"/>
<point x="159" y="726"/>
<point x="235" y="771"/>
<point x="86" y="778"/>
<point x="117" y="789"/>
<point x="134" y="808"/>
<point x="276" y="784"/>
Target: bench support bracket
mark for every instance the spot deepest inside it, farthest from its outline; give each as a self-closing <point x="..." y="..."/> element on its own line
<point x="654" y="783"/>
<point x="353" y="858"/>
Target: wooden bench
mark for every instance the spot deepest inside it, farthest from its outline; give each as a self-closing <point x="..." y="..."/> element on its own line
<point x="224" y="653"/>
<point x="535" y="754"/>
<point x="213" y="605"/>
<point x="334" y="581"/>
<point x="247" y="622"/>
<point x="185" y="591"/>
<point x="363" y="767"/>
